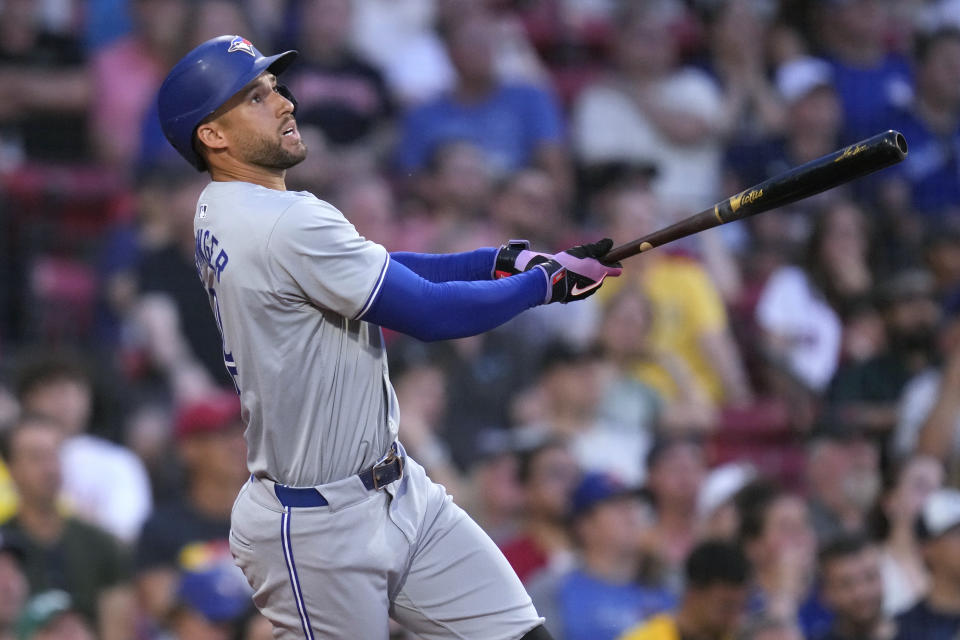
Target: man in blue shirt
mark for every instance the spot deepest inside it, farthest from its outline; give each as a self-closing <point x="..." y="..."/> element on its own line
<point x="604" y="595"/>
<point x="937" y="616"/>
<point x="931" y="126"/>
<point x="869" y="78"/>
<point x="514" y="125"/>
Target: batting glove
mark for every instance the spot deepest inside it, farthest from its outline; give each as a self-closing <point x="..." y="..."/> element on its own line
<point x="585" y="270"/>
<point x="515" y="257"/>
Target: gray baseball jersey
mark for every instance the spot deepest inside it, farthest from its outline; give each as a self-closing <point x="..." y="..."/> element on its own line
<point x="287" y="276"/>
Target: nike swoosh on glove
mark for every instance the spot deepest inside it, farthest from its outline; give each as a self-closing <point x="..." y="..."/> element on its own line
<point x="585" y="270"/>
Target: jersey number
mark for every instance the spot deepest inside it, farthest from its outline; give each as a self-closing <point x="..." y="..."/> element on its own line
<point x="228" y="360"/>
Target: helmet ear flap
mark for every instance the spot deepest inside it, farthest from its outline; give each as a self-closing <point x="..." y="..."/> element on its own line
<point x="286" y="93"/>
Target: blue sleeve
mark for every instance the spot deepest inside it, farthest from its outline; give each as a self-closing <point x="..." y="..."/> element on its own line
<point x="444" y="267"/>
<point x="440" y="311"/>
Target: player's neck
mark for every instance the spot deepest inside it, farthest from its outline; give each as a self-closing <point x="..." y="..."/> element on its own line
<point x="270" y="179"/>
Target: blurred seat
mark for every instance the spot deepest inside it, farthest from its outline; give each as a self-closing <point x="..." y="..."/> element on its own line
<point x="761" y="434"/>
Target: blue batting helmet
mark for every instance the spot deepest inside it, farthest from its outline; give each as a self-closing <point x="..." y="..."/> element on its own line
<point x="206" y="78"/>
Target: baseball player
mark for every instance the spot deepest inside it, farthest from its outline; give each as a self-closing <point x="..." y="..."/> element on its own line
<point x="338" y="528"/>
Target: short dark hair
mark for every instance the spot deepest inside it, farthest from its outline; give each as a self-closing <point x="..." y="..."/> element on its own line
<point x="717" y="562"/>
<point x="842" y="546"/>
<point x="753" y="503"/>
<point x="43" y="366"/>
<point x="664" y="445"/>
<point x="22" y="423"/>
<point x="528" y="455"/>
<point x="927" y="42"/>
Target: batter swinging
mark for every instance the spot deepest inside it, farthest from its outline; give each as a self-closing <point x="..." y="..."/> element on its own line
<point x="338" y="529"/>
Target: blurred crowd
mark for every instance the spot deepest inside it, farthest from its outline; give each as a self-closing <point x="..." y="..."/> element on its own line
<point x="754" y="433"/>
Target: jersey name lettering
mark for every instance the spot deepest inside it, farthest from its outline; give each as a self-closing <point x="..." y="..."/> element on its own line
<point x="207" y="246"/>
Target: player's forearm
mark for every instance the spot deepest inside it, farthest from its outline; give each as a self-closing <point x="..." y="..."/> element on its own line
<point x="448" y="267"/>
<point x="429" y="311"/>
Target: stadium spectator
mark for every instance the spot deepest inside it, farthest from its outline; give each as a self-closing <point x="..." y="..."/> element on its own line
<point x="689" y="318"/>
<point x="337" y="90"/>
<point x="842" y="479"/>
<point x="716" y="581"/>
<point x="660" y="385"/>
<point x="651" y="110"/>
<point x="928" y="412"/>
<point x="209" y="604"/>
<point x="717" y="515"/>
<point x="126" y="75"/>
<point x="769" y="628"/>
<point x="399" y="37"/>
<point x="800" y="307"/>
<point x="864" y="394"/>
<point x="931" y="121"/>
<point x="47" y="88"/>
<point x="905" y="578"/>
<point x="52" y="615"/>
<point x="852" y="586"/>
<point x="190" y="532"/>
<point x="496" y="498"/>
<point x="62" y="552"/>
<point x="738" y="32"/>
<point x="777" y="535"/>
<point x="548" y="474"/>
<point x="171" y="315"/>
<point x="116" y="496"/>
<point x="676" y="471"/>
<point x="937" y="615"/>
<point x="515" y="125"/>
<point x="870" y="77"/>
<point x="813" y="125"/>
<point x="605" y="595"/>
<point x="13" y="584"/>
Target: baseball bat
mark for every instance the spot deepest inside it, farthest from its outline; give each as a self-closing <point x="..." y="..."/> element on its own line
<point x="857" y="160"/>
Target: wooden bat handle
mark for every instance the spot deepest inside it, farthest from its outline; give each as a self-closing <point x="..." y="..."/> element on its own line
<point x="857" y="160"/>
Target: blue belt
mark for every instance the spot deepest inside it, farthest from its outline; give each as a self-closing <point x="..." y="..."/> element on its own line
<point x="386" y="470"/>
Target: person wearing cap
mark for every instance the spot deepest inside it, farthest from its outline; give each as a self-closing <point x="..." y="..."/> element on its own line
<point x="851" y="583"/>
<point x="192" y="530"/>
<point x="62" y="551"/>
<point x="814" y="120"/>
<point x="607" y="591"/>
<point x="210" y="603"/>
<point x="716" y="585"/>
<point x="717" y="514"/>
<point x="13" y="583"/>
<point x="51" y="615"/>
<point x="937" y="615"/>
<point x="339" y="528"/>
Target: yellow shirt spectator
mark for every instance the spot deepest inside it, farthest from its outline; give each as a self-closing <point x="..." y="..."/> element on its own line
<point x="662" y="627"/>
<point x="686" y="307"/>
<point x="8" y="494"/>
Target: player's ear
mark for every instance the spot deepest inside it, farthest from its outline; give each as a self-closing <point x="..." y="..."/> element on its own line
<point x="211" y="135"/>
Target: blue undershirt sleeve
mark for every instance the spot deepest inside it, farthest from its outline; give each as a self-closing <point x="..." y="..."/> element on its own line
<point x="444" y="267"/>
<point x="431" y="311"/>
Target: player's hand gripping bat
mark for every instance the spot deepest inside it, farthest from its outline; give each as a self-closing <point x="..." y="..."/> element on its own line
<point x="849" y="163"/>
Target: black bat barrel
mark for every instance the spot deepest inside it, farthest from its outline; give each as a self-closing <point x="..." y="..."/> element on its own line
<point x="857" y="160"/>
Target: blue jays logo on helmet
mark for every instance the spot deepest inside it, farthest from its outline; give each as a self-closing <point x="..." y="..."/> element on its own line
<point x="241" y="44"/>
